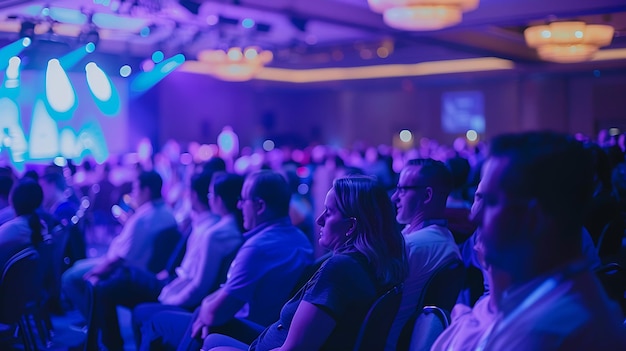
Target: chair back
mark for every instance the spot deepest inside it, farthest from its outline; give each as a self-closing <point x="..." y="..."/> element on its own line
<point x="165" y="244"/>
<point x="375" y="328"/>
<point x="176" y="258"/>
<point x="613" y="279"/>
<point x="21" y="285"/>
<point x="444" y="286"/>
<point x="610" y="240"/>
<point x="441" y="290"/>
<point x="430" y="323"/>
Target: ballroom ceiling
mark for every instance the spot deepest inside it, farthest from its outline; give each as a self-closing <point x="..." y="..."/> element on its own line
<point x="303" y="34"/>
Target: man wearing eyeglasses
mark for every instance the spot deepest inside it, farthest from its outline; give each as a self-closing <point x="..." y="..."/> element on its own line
<point x="259" y="281"/>
<point x="420" y="199"/>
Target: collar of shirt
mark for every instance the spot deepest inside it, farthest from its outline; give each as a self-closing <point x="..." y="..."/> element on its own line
<point x="283" y="221"/>
<point x="516" y="294"/>
<point x="427" y="223"/>
<point x="207" y="217"/>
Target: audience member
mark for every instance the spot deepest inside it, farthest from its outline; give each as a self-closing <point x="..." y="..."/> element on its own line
<point x="368" y="258"/>
<point x="469" y="324"/>
<point x="300" y="207"/>
<point x="26" y="228"/>
<point x="122" y="276"/>
<point x="536" y="187"/>
<point x="420" y="198"/>
<point x="6" y="210"/>
<point x="604" y="206"/>
<point x="259" y="281"/>
<point x="211" y="247"/>
<point x="57" y="202"/>
<point x="57" y="212"/>
<point x="457" y="205"/>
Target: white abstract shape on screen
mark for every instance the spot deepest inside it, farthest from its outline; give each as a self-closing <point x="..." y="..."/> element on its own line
<point x="69" y="146"/>
<point x="12" y="132"/>
<point x="98" y="82"/>
<point x="59" y="90"/>
<point x="44" y="134"/>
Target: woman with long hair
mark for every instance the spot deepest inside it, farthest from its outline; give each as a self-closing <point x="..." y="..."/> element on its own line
<point x="368" y="258"/>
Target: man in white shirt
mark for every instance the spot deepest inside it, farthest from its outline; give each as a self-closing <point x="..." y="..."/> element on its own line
<point x="7" y="212"/>
<point x="420" y="198"/>
<point x="128" y="260"/>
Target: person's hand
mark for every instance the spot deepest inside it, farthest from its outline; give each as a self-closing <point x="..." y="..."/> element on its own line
<point x="199" y="329"/>
<point x="94" y="279"/>
<point x="93" y="275"/>
<point x="163" y="275"/>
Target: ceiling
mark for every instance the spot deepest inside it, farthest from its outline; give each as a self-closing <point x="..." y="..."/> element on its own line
<point x="304" y="34"/>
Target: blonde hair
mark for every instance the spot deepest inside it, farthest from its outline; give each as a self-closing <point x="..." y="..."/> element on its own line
<point x="377" y="235"/>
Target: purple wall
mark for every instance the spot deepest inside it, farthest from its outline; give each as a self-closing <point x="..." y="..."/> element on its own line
<point x="195" y="107"/>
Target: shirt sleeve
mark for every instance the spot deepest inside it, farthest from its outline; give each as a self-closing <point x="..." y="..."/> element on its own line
<point x="121" y="244"/>
<point x="216" y="246"/>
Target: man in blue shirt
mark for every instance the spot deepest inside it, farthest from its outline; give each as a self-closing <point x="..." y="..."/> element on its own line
<point x="259" y="281"/>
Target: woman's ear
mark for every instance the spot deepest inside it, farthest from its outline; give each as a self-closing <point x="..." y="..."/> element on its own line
<point x="352" y="227"/>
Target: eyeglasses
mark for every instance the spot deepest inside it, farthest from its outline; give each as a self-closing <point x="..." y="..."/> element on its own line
<point x="243" y="199"/>
<point x="402" y="189"/>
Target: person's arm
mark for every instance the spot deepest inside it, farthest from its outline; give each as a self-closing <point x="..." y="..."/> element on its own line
<point x="309" y="328"/>
<point x="215" y="246"/>
<point x="216" y="309"/>
<point x="103" y="269"/>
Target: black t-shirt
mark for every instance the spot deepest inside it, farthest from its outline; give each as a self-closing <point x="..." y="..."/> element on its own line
<point x="344" y="287"/>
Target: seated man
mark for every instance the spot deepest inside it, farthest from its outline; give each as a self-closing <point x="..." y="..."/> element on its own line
<point x="7" y="212"/>
<point x="58" y="212"/>
<point x="420" y="198"/>
<point x="211" y="247"/>
<point x="259" y="281"/>
<point x="536" y="187"/>
<point x="122" y="276"/>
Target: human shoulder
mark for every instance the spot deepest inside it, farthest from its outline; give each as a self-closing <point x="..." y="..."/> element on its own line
<point x="279" y="236"/>
<point x="223" y="230"/>
<point x="344" y="266"/>
<point x="14" y="224"/>
<point x="15" y="230"/>
<point x="432" y="234"/>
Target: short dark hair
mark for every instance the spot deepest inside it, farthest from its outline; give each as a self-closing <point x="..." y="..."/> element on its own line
<point x="552" y="168"/>
<point x="26" y="197"/>
<point x="273" y="189"/>
<point x="459" y="169"/>
<point x="6" y="184"/>
<point x="200" y="186"/>
<point x="436" y="174"/>
<point x="153" y="181"/>
<point x="55" y="178"/>
<point x="228" y="187"/>
<point x="215" y="164"/>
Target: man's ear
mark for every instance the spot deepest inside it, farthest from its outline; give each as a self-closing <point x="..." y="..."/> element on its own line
<point x="261" y="206"/>
<point x="428" y="194"/>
